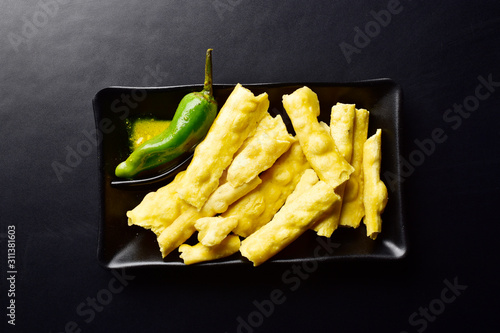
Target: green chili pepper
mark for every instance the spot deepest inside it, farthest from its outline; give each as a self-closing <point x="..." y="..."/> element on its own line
<point x="192" y="120"/>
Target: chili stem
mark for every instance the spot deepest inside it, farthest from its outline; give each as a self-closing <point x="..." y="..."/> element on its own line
<point x="207" y="86"/>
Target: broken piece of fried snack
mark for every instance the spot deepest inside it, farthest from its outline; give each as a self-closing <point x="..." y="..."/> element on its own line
<point x="302" y="106"/>
<point x="375" y="191"/>
<point x="291" y="221"/>
<point x="199" y="252"/>
<point x="212" y="230"/>
<point x="237" y="119"/>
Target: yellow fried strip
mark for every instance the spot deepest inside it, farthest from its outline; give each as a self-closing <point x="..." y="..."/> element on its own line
<point x="199" y="252"/>
<point x="158" y="209"/>
<point x="260" y="151"/>
<point x="309" y="179"/>
<point x="341" y="130"/>
<point x="353" y="210"/>
<point x="325" y="126"/>
<point x="303" y="109"/>
<point x="178" y="232"/>
<point x="225" y="195"/>
<point x="237" y="119"/>
<point x="212" y="230"/>
<point x="183" y="227"/>
<point x="258" y="207"/>
<point x="375" y="191"/>
<point x="289" y="223"/>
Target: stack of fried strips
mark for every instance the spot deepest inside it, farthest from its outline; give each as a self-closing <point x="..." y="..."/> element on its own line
<point x="250" y="178"/>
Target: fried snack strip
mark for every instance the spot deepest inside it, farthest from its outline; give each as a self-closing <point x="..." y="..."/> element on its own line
<point x="309" y="179"/>
<point x="225" y="195"/>
<point x="184" y="226"/>
<point x="341" y="130"/>
<point x="353" y="210"/>
<point x="303" y="109"/>
<point x="260" y="151"/>
<point x="259" y="206"/>
<point x="213" y="230"/>
<point x="325" y="126"/>
<point x="237" y="119"/>
<point x="375" y="191"/>
<point x="158" y="209"/>
<point x="199" y="252"/>
<point x="293" y="219"/>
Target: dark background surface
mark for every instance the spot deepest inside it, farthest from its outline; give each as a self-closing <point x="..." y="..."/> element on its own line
<point x="437" y="52"/>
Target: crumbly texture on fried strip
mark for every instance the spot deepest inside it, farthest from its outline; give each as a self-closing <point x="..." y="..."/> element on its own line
<point x="353" y="210"/>
<point x="237" y="119"/>
<point x="341" y="130"/>
<point x="375" y="191"/>
<point x="302" y="106"/>
<point x="293" y="219"/>
<point x="200" y="253"/>
<point x="184" y="226"/>
<point x="212" y="230"/>
<point x="260" y="151"/>
<point x="159" y="209"/>
<point x="259" y="206"/>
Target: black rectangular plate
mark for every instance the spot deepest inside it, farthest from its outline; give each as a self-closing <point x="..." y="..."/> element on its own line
<point x="121" y="245"/>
